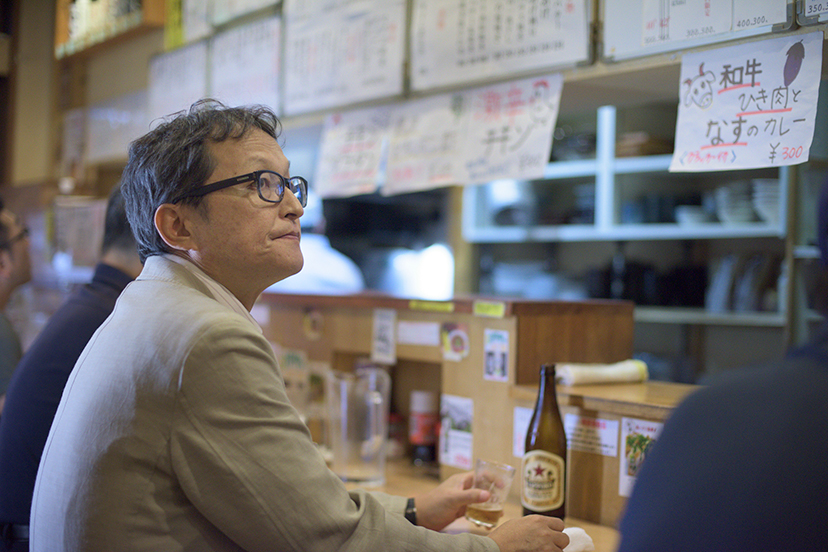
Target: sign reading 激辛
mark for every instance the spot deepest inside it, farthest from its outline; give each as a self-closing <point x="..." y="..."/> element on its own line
<point x="509" y="129"/>
<point x="748" y="106"/>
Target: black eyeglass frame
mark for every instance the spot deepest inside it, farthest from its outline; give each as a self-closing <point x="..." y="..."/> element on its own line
<point x="293" y="183"/>
<point x="22" y="235"/>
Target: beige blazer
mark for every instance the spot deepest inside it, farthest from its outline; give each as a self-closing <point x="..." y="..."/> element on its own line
<point x="175" y="433"/>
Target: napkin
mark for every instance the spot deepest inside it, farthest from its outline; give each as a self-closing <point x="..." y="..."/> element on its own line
<point x="626" y="371"/>
<point x="579" y="541"/>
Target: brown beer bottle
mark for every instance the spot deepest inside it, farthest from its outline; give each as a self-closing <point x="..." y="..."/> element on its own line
<point x="543" y="468"/>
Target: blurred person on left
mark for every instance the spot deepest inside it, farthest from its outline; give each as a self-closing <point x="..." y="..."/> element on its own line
<point x="15" y="270"/>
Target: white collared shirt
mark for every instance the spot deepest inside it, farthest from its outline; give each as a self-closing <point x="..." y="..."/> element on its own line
<point x="221" y="293"/>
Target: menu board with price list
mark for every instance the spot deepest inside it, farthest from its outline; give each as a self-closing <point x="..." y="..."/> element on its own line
<point x="461" y="41"/>
<point x="634" y="28"/>
<point x="340" y="52"/>
<point x="812" y="12"/>
<point x="245" y="63"/>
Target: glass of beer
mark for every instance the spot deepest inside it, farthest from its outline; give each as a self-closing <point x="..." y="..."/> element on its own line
<point x="497" y="479"/>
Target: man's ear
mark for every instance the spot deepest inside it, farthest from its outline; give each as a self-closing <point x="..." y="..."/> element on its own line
<point x="172" y="225"/>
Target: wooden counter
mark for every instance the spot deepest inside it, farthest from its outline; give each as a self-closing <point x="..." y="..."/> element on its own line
<point x="337" y="331"/>
<point x="652" y="400"/>
<point x="404" y="480"/>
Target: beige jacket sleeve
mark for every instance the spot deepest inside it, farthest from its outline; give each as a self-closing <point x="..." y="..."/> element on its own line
<point x="247" y="462"/>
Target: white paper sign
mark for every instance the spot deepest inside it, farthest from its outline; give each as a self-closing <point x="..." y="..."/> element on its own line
<point x="520" y="425"/>
<point x="195" y="19"/>
<point x="424" y="149"/>
<point x="748" y="106"/>
<point x="112" y="125"/>
<point x="418" y="333"/>
<point x="496" y="355"/>
<point x="177" y="79"/>
<point x="510" y="129"/>
<point x="595" y="435"/>
<point x="637" y="436"/>
<point x="383" y="343"/>
<point x="668" y="20"/>
<point x="456" y="414"/>
<point x="225" y="10"/>
<point x="457" y="41"/>
<point x="339" y="53"/>
<point x="750" y="13"/>
<point x="815" y="7"/>
<point x="351" y="152"/>
<point x="245" y="64"/>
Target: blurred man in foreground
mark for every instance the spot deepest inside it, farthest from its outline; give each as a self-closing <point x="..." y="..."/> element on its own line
<point x="35" y="389"/>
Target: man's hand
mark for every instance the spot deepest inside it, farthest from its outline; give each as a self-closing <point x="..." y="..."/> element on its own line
<point x="531" y="534"/>
<point x="447" y="502"/>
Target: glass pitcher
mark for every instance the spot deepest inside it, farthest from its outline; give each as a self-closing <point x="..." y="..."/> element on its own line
<point x="358" y="405"/>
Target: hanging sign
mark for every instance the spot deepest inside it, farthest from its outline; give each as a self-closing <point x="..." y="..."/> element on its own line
<point x="509" y="129"/>
<point x="351" y="152"/>
<point x="748" y="106"/>
<point x="424" y="146"/>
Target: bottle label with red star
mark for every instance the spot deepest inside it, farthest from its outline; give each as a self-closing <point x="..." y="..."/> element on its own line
<point x="543" y="481"/>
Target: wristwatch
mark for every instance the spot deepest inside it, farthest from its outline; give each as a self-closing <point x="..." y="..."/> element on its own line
<point x="411" y="511"/>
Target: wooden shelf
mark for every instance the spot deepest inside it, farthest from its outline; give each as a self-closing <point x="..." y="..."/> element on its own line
<point x="665" y="315"/>
<point x="151" y="16"/>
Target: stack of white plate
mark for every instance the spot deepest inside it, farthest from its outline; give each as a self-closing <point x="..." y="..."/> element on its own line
<point x="734" y="203"/>
<point x="766" y="199"/>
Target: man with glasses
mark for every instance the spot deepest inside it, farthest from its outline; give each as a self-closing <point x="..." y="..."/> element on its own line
<point x="175" y="431"/>
<point x="15" y="270"/>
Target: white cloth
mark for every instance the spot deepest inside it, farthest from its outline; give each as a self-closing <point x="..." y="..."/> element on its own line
<point x="326" y="271"/>
<point x="626" y="371"/>
<point x="579" y="541"/>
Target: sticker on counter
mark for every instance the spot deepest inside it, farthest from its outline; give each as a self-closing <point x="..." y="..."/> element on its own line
<point x="418" y="333"/>
<point x="496" y="355"/>
<point x="384" y="345"/>
<point x="456" y="414"/>
<point x="595" y="435"/>
<point x="637" y="437"/>
<point x="431" y="306"/>
<point x="455" y="338"/>
<point x="492" y="309"/>
<point x="312" y="324"/>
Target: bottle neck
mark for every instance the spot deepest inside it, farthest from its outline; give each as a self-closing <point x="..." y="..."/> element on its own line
<point x="546" y="391"/>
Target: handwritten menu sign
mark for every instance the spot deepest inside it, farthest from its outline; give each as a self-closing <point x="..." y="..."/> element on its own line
<point x="351" y="152"/>
<point x="225" y="10"/>
<point x="509" y="129"/>
<point x="177" y="79"/>
<point x="195" y="19"/>
<point x="667" y="20"/>
<point x="424" y="149"/>
<point x="455" y="41"/>
<point x="813" y="10"/>
<point x="245" y="64"/>
<point x="748" y="106"/>
<point x="339" y="53"/>
<point x="671" y="20"/>
<point x="643" y="27"/>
